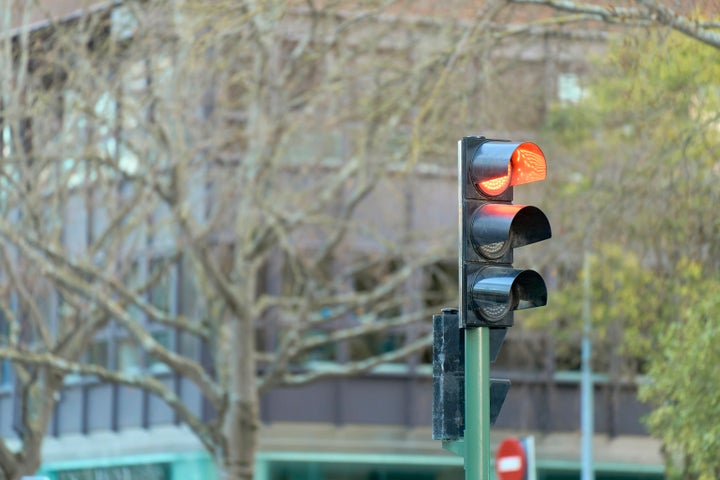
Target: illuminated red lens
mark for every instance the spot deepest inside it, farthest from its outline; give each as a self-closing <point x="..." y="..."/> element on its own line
<point x="527" y="164"/>
<point x="496" y="186"/>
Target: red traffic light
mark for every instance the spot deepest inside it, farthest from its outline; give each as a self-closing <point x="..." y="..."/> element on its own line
<point x="491" y="227"/>
<point x="496" y="166"/>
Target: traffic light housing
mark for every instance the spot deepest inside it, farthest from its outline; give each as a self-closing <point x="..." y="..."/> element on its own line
<point x="466" y="400"/>
<point x="491" y="227"/>
<point x="448" y="415"/>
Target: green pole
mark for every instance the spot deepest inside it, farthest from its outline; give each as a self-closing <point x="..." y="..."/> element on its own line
<point x="477" y="403"/>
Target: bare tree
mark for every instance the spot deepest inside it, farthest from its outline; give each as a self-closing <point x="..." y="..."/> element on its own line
<point x="258" y="157"/>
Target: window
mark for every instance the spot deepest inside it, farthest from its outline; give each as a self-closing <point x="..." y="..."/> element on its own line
<point x="569" y="89"/>
<point x="365" y="280"/>
<point x="129" y="356"/>
<point x="146" y="92"/>
<point x="88" y="135"/>
<point x="311" y="469"/>
<point x="113" y="125"/>
<point x="188" y="292"/>
<point x="323" y="353"/>
<point x="6" y="371"/>
<point x="9" y="175"/>
<point x="150" y="471"/>
<point x="122" y="23"/>
<point x="188" y="345"/>
<point x="440" y="290"/>
<point x="98" y="353"/>
<point x="134" y="111"/>
<point x="441" y="284"/>
<point x="6" y="141"/>
<point x="160" y="274"/>
<point x="133" y="281"/>
<point x="164" y="338"/>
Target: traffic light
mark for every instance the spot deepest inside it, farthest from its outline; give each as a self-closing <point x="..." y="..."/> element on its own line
<point x="466" y="400"/>
<point x="491" y="227"/>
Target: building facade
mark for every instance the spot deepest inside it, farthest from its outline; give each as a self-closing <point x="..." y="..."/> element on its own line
<point x="373" y="425"/>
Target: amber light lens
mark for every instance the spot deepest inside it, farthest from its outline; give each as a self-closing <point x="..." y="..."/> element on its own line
<point x="527" y="164"/>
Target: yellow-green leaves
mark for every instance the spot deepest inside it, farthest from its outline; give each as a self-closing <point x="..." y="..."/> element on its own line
<point x="683" y="385"/>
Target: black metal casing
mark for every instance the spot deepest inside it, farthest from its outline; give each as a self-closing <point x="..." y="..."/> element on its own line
<point x="489" y="228"/>
<point x="448" y="414"/>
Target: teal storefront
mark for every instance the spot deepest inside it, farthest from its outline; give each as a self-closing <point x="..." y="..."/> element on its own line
<point x="313" y="466"/>
<point x="176" y="466"/>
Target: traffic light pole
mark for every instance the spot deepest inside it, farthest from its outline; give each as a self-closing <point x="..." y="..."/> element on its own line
<point x="477" y="403"/>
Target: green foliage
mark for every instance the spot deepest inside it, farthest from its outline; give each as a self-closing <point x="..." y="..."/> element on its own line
<point x="683" y="386"/>
<point x="640" y="150"/>
<point x="637" y="180"/>
<point x="625" y="296"/>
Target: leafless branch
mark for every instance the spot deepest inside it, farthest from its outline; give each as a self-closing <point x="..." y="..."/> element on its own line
<point x="649" y="12"/>
<point x="149" y="383"/>
<point x="355" y="368"/>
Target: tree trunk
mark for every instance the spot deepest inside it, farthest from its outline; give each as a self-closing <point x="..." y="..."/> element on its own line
<point x="241" y="420"/>
<point x="38" y="405"/>
<point x="237" y="458"/>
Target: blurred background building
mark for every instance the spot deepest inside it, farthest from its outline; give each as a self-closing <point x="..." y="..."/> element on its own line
<point x="374" y="425"/>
